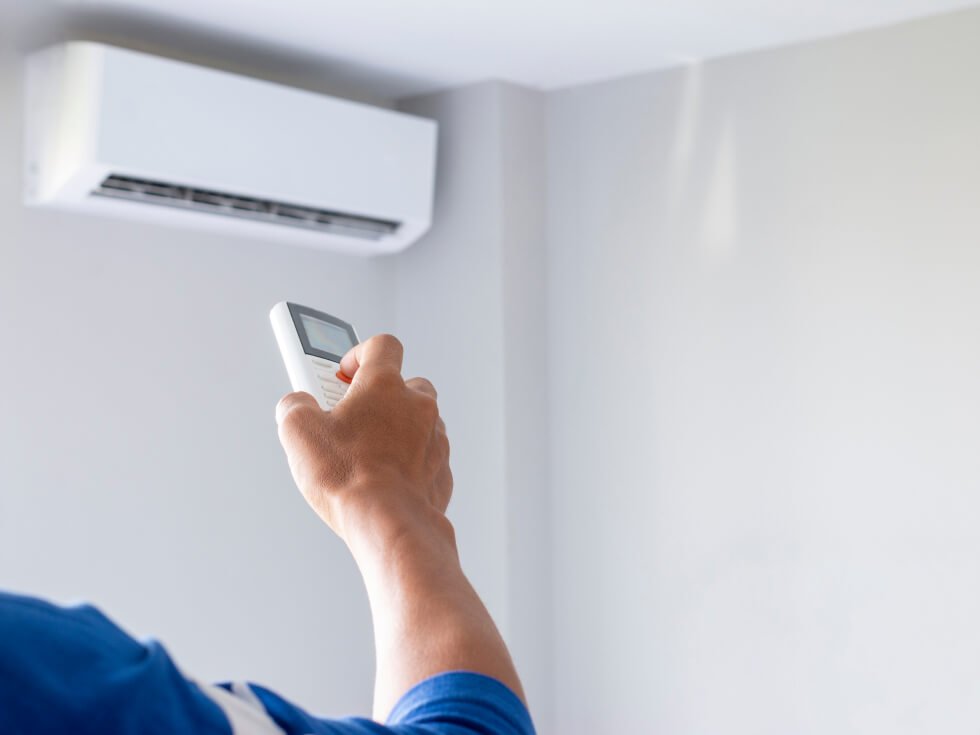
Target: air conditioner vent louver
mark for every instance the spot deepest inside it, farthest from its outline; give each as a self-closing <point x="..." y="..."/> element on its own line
<point x="233" y="205"/>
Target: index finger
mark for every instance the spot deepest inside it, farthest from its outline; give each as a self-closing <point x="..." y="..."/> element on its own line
<point x="380" y="354"/>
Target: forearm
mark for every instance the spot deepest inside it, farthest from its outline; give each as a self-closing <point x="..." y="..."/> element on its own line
<point x="428" y="619"/>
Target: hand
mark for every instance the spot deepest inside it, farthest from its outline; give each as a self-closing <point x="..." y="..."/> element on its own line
<point x="380" y="455"/>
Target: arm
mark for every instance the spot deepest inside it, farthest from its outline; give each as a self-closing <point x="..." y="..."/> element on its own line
<point x="376" y="470"/>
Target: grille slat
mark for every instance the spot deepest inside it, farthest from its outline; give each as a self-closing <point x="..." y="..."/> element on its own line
<point x="232" y="205"/>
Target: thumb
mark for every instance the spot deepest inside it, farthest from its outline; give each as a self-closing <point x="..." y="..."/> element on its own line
<point x="380" y="354"/>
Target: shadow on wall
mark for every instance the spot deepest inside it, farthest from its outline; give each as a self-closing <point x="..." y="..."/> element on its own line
<point x="706" y="183"/>
<point x="697" y="202"/>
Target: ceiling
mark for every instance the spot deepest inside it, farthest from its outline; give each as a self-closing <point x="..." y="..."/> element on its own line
<point x="402" y="47"/>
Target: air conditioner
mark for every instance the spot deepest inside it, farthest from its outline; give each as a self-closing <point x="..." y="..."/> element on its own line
<point x="125" y="134"/>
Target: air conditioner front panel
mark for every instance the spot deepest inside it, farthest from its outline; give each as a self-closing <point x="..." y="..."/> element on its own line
<point x="155" y="120"/>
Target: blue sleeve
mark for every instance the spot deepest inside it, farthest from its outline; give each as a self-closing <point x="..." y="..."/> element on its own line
<point x="461" y="703"/>
<point x="71" y="670"/>
<point x="454" y="703"/>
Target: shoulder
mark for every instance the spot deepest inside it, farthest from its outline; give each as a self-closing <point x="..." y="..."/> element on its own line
<point x="71" y="669"/>
<point x="30" y="625"/>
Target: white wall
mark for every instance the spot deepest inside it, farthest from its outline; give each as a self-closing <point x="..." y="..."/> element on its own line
<point x="765" y="409"/>
<point x="139" y="465"/>
<point x="526" y="371"/>
<point x="470" y="306"/>
<point x="447" y="294"/>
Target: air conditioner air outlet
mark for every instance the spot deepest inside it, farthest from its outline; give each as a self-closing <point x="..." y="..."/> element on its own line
<point x="231" y="205"/>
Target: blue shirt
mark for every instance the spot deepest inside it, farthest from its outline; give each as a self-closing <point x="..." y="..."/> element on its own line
<point x="71" y="670"/>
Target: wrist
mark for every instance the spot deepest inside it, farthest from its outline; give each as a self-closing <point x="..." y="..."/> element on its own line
<point x="380" y="520"/>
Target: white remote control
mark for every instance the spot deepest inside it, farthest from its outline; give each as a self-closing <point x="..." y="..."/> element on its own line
<point x="312" y="344"/>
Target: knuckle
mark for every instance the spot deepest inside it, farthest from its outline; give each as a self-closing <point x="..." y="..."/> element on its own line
<point x="388" y="341"/>
<point x="295" y="416"/>
<point x="285" y="404"/>
<point x="428" y="408"/>
<point x="292" y="400"/>
<point x="423" y="385"/>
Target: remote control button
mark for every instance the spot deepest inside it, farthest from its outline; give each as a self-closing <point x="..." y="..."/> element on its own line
<point x="343" y="378"/>
<point x="327" y="378"/>
<point x="327" y="364"/>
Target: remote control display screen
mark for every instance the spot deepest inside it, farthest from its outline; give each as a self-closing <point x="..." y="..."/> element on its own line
<point x="325" y="336"/>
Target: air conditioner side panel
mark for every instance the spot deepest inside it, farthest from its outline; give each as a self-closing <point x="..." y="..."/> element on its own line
<point x="62" y="95"/>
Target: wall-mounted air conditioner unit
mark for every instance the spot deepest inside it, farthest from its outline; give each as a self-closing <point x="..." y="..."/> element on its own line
<point x="126" y="134"/>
